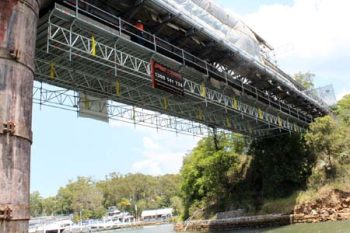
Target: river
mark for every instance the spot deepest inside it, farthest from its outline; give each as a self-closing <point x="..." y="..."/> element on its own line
<point x="328" y="227"/>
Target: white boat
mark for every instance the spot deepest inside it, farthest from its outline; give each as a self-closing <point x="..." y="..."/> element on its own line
<point x="114" y="219"/>
<point x="50" y="226"/>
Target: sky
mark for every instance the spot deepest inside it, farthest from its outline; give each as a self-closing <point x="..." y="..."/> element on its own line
<point x="308" y="35"/>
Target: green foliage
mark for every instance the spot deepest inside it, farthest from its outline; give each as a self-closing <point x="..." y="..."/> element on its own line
<point x="177" y="205"/>
<point x="343" y="110"/>
<point x="280" y="166"/>
<point x="49" y="206"/>
<point x="206" y="173"/>
<point x="88" y="199"/>
<point x="325" y="138"/>
<point x="219" y="180"/>
<point x="142" y="191"/>
<point x="36" y="205"/>
<point x="42" y="206"/>
<point x="330" y="141"/>
<point x="124" y="204"/>
<point x="305" y="79"/>
<point x="279" y="205"/>
<point x="81" y="195"/>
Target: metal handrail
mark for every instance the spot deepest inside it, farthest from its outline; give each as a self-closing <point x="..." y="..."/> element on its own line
<point x="155" y="42"/>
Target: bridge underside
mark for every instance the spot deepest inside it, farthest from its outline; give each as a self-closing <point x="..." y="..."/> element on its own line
<point x="83" y="55"/>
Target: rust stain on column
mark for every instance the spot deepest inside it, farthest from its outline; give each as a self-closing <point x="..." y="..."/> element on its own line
<point x="18" y="21"/>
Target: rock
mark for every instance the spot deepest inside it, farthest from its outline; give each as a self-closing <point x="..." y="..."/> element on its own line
<point x="324" y="213"/>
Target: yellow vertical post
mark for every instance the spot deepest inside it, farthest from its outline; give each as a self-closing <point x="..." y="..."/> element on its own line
<point x="165" y="103"/>
<point x="260" y="114"/>
<point x="93" y="46"/>
<point x="52" y="71"/>
<point x="234" y="103"/>
<point x="203" y="90"/>
<point x="117" y="88"/>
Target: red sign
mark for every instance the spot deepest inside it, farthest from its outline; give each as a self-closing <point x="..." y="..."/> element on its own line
<point x="166" y="79"/>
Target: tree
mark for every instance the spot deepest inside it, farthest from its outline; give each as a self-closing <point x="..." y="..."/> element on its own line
<point x="177" y="205"/>
<point x="36" y="204"/>
<point x="343" y="109"/>
<point x="205" y="173"/>
<point x="327" y="139"/>
<point x="143" y="191"/>
<point x="49" y="206"/>
<point x="305" y="79"/>
<point x="81" y="196"/>
<point x="124" y="204"/>
<point x="280" y="165"/>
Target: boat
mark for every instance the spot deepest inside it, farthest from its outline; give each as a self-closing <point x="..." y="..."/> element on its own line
<point x="49" y="225"/>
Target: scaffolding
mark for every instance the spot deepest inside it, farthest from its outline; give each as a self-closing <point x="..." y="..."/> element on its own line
<point x="89" y="55"/>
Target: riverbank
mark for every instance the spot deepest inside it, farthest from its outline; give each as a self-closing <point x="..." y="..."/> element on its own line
<point x="261" y="221"/>
<point x="334" y="206"/>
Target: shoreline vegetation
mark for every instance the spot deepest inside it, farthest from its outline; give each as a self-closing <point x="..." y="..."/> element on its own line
<point x="293" y="178"/>
<point x="304" y="178"/>
<point x="85" y="198"/>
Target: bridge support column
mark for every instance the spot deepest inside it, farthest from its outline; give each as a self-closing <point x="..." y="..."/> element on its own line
<point x="18" y="22"/>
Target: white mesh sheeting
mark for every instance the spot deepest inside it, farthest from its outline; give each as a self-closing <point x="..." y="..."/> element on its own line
<point x="326" y="94"/>
<point x="224" y="27"/>
<point x="216" y="21"/>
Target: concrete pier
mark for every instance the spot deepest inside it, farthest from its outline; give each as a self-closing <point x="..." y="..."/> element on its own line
<point x="18" y="21"/>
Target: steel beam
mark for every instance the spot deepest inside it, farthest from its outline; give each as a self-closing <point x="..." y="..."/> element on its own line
<point x="17" y="48"/>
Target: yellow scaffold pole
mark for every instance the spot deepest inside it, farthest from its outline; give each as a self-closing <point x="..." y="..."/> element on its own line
<point x="93" y="45"/>
<point x="165" y="103"/>
<point x="234" y="103"/>
<point x="260" y="114"/>
<point x="203" y="90"/>
<point x="52" y="71"/>
<point x="117" y="88"/>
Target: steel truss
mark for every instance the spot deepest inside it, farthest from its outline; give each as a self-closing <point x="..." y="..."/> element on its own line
<point x="119" y="69"/>
<point x="88" y="84"/>
<point x="69" y="100"/>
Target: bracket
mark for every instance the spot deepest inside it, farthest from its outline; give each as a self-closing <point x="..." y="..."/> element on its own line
<point x="11" y="129"/>
<point x="6" y="214"/>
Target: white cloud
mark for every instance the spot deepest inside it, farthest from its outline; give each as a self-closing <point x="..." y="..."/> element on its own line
<point x="309" y="35"/>
<point x="148" y="143"/>
<point x="163" y="153"/>
<point x="313" y="28"/>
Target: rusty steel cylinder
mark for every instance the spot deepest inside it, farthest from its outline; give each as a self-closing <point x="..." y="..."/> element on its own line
<point x="18" y="22"/>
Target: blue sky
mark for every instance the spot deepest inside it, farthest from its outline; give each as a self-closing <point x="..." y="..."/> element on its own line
<point x="309" y="35"/>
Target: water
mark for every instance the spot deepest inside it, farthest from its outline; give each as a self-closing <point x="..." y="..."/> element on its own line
<point x="329" y="227"/>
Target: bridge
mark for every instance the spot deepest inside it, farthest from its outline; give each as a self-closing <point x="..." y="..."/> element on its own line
<point x="163" y="64"/>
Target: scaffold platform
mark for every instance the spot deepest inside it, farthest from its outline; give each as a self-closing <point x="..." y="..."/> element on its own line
<point x="82" y="54"/>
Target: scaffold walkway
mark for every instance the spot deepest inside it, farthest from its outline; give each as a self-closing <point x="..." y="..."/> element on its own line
<point x="81" y="54"/>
